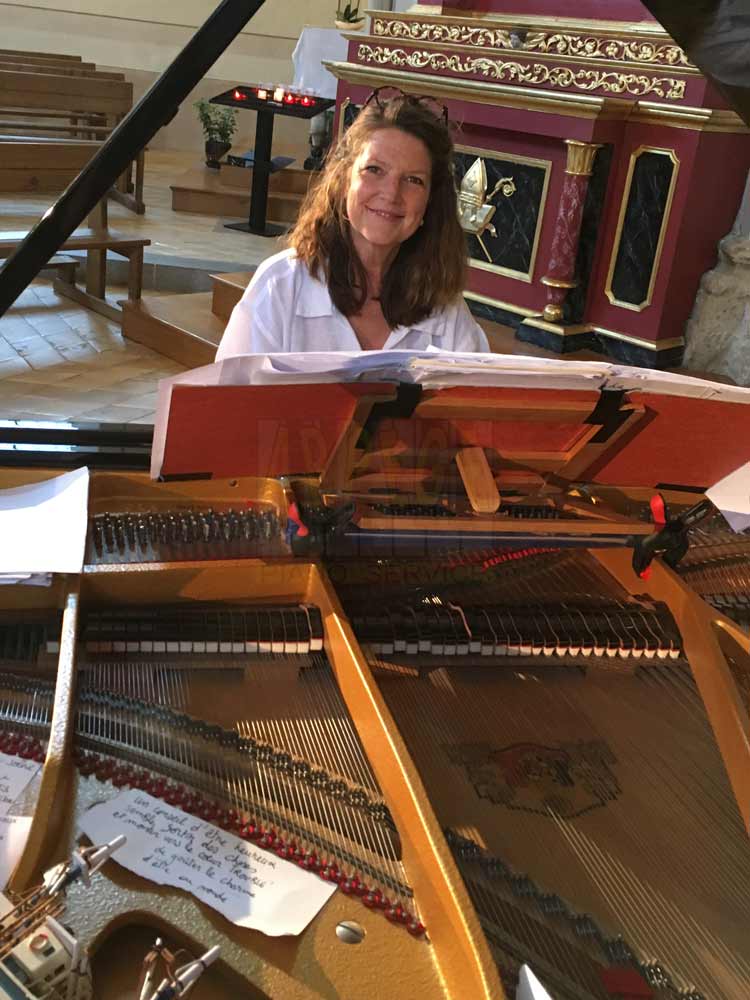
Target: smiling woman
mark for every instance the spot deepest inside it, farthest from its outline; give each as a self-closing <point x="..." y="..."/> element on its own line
<point x="377" y="257"/>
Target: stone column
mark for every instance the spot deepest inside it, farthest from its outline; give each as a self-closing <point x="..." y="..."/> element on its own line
<point x="560" y="276"/>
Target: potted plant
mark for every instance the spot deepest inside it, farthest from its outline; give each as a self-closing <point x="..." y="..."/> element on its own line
<point x="348" y="17"/>
<point x="219" y="125"/>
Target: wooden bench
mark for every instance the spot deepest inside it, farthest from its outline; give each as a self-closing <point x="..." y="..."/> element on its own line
<point x="95" y="241"/>
<point x="59" y="69"/>
<point x="40" y="163"/>
<point x="58" y="92"/>
<point x="82" y="101"/>
<point x="82" y="131"/>
<point x="61" y="56"/>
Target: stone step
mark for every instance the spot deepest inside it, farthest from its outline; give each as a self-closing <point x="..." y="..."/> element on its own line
<point x="181" y="327"/>
<point x="202" y="191"/>
<point x="228" y="289"/>
<point x="290" y="179"/>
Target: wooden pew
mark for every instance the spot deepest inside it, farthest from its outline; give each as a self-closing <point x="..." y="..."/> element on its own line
<point x="81" y="101"/>
<point x="57" y="92"/>
<point x="42" y="163"/>
<point x="61" y="56"/>
<point x="48" y="60"/>
<point x="59" y="69"/>
<point x="96" y="240"/>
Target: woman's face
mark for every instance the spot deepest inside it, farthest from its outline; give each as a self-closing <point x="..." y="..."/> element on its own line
<point x="389" y="187"/>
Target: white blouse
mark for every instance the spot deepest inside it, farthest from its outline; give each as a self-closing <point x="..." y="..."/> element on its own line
<point x="284" y="308"/>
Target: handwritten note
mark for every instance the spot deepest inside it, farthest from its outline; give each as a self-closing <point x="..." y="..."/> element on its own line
<point x="13" y="833"/>
<point x="249" y="886"/>
<point x="15" y="774"/>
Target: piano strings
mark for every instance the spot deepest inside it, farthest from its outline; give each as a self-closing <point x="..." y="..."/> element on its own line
<point x="149" y="715"/>
<point x="569" y="758"/>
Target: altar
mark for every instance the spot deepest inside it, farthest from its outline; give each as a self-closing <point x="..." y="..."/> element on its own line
<point x="611" y="141"/>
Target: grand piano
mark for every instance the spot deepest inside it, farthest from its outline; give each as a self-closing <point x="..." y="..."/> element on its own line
<point x="425" y="670"/>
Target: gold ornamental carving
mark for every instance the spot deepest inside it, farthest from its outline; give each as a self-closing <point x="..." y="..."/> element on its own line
<point x="556" y="43"/>
<point x="580" y="161"/>
<point x="535" y="74"/>
<point x="475" y="210"/>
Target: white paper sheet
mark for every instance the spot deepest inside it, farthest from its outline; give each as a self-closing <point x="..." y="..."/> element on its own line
<point x="432" y="369"/>
<point x="249" y="886"/>
<point x="732" y="496"/>
<point x="529" y="987"/>
<point x="30" y="579"/>
<point x="43" y="526"/>
<point x="14" y="831"/>
<point x="15" y="774"/>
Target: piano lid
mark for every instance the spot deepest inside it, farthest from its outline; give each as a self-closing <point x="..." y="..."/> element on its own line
<point x="715" y="34"/>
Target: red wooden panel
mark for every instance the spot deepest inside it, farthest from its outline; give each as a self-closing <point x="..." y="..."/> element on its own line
<point x="258" y="430"/>
<point x="691" y="442"/>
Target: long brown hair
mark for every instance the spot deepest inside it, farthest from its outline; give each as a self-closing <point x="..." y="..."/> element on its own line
<point x="428" y="270"/>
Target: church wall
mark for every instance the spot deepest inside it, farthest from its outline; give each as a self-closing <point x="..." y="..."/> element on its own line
<point x="143" y="44"/>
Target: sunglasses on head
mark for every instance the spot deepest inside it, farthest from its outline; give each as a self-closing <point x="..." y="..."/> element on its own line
<point x="384" y="95"/>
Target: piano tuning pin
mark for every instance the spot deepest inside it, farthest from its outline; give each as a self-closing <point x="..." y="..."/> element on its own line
<point x="656" y="976"/>
<point x="108" y="531"/>
<point x="552" y="904"/>
<point x="584" y="926"/>
<point x="173" y="528"/>
<point x="195" y="531"/>
<point x="97" y="534"/>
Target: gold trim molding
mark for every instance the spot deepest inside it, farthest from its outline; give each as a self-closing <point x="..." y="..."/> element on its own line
<point x="644" y="51"/>
<point x="544" y="101"/>
<point x="546" y="165"/>
<point x="646" y="29"/>
<point x="536" y="74"/>
<point x="534" y="318"/>
<point x="563" y="331"/>
<point x="486" y="300"/>
<point x="640" y="306"/>
<point x="558" y="282"/>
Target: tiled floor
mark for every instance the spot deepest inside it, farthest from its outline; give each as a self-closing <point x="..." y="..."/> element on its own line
<point x="59" y="361"/>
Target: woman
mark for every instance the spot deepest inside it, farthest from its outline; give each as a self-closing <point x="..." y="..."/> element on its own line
<point x="377" y="257"/>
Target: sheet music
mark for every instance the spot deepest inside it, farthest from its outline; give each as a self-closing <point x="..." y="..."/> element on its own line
<point x="249" y="886"/>
<point x="15" y="776"/>
<point x="43" y="528"/>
